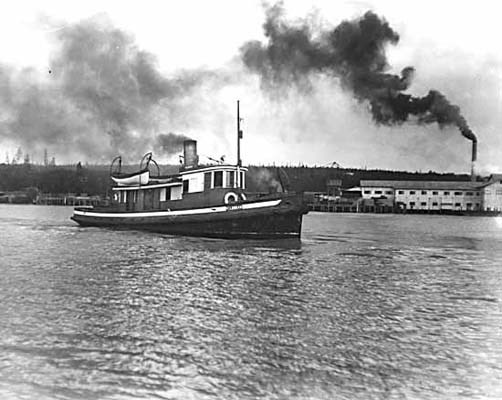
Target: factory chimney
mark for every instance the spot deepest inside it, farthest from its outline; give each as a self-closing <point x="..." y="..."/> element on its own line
<point x="473" y="159"/>
<point x="191" y="159"/>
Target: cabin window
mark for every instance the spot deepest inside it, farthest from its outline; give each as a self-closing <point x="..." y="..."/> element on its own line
<point x="165" y="194"/>
<point x="434" y="193"/>
<point x="424" y="191"/>
<point x="458" y="193"/>
<point x="230" y="179"/>
<point x="412" y="204"/>
<point x="378" y="192"/>
<point x="434" y="204"/>
<point x="175" y="193"/>
<point x="185" y="186"/>
<point x="412" y="192"/>
<point x="469" y="193"/>
<point x="207" y="180"/>
<point x="367" y="192"/>
<point x="401" y="192"/>
<point x="423" y="203"/>
<point x="388" y="192"/>
<point x="446" y="193"/>
<point x="457" y="204"/>
<point x="218" y="179"/>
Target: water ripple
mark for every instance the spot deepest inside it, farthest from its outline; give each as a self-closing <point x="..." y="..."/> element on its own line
<point x="364" y="307"/>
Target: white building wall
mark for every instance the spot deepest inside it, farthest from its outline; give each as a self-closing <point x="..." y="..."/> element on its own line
<point x="492" y="197"/>
<point x="370" y="192"/>
<point x="426" y="199"/>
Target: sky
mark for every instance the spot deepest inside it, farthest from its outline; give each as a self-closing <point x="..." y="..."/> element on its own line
<point x="172" y="70"/>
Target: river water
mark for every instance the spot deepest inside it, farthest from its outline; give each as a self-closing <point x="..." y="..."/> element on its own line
<point x="365" y="307"/>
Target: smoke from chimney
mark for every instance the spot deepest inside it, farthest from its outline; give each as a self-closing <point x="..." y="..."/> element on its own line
<point x="354" y="53"/>
<point x="170" y="143"/>
<point x="103" y="96"/>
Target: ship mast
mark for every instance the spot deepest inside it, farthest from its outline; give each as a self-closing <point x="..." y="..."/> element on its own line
<point x="239" y="137"/>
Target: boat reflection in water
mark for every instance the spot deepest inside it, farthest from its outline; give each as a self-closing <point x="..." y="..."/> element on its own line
<point x="201" y="200"/>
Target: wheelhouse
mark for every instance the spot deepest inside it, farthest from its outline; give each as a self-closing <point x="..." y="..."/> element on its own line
<point x="213" y="177"/>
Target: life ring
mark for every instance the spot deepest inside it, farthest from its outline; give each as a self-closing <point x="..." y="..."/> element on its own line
<point x="231" y="197"/>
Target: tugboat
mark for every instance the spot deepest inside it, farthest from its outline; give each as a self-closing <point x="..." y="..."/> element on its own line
<point x="201" y="200"/>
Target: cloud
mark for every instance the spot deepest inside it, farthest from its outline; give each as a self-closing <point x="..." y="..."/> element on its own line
<point x="101" y="95"/>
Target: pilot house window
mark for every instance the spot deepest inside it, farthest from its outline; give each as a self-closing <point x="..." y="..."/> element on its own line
<point x="243" y="182"/>
<point x="207" y="180"/>
<point x="230" y="179"/>
<point x="218" y="179"/>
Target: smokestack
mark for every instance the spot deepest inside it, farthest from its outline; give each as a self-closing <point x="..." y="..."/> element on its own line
<point x="190" y="154"/>
<point x="473" y="159"/>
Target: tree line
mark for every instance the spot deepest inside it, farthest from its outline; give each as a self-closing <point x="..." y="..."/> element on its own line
<point x="96" y="180"/>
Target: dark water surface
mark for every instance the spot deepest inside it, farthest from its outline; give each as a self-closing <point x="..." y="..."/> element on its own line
<point x="365" y="307"/>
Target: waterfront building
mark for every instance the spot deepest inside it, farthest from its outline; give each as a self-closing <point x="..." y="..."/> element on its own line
<point x="437" y="195"/>
<point x="492" y="193"/>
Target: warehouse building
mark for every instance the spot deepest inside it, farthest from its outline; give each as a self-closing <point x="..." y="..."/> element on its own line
<point x="383" y="196"/>
<point x="427" y="195"/>
<point x="492" y="193"/>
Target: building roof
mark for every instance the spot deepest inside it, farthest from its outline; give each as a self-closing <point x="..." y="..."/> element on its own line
<point x="486" y="184"/>
<point x="423" y="185"/>
<point x="495" y="177"/>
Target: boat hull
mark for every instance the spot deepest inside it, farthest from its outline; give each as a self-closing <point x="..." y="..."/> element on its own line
<point x="280" y="218"/>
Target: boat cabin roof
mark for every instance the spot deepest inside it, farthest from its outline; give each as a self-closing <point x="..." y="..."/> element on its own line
<point x="209" y="168"/>
<point x="177" y="180"/>
<point x="149" y="186"/>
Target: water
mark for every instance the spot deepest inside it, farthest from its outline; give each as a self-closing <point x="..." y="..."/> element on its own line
<point x="365" y="307"/>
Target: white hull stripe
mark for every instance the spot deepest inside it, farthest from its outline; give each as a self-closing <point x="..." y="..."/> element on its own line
<point x="209" y="210"/>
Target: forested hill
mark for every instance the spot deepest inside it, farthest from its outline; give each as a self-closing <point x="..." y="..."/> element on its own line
<point x="314" y="179"/>
<point x="95" y="179"/>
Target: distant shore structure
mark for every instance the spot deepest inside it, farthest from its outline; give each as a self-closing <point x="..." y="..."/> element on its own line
<point x="448" y="197"/>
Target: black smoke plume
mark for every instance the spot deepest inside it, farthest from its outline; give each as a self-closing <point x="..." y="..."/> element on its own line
<point x="354" y="53"/>
<point x="171" y="143"/>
